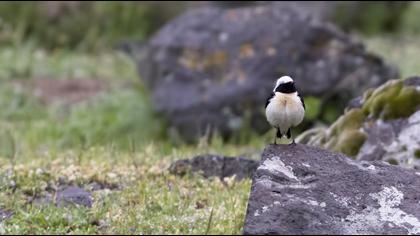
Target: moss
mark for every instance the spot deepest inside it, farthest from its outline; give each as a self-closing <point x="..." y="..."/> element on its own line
<point x="417" y="153"/>
<point x="392" y="101"/>
<point x="330" y="143"/>
<point x="367" y="94"/>
<point x="376" y="102"/>
<point x="345" y="136"/>
<point x="392" y="162"/>
<point x="353" y="119"/>
<point x="402" y="105"/>
<point x="349" y="142"/>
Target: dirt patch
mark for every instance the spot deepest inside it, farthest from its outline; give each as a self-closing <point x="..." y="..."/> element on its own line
<point x="64" y="91"/>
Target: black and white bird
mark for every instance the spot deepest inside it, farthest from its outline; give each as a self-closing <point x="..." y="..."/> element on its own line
<point x="284" y="108"/>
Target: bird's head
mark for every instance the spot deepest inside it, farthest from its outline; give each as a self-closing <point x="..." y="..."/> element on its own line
<point x="285" y="84"/>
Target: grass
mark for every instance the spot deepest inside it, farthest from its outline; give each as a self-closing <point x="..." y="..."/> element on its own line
<point x="113" y="139"/>
<point x="149" y="200"/>
<point x="120" y="112"/>
<point x="399" y="50"/>
<point x="81" y="25"/>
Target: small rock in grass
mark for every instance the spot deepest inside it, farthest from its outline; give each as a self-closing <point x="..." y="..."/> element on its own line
<point x="213" y="165"/>
<point x="5" y="214"/>
<point x="74" y="195"/>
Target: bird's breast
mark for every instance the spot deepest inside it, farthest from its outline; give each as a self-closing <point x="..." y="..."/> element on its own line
<point x="285" y="110"/>
<point x="281" y="100"/>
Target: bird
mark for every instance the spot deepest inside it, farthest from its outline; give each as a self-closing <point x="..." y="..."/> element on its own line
<point x="284" y="108"/>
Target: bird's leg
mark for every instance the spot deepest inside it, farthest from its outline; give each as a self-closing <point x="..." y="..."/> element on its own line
<point x="289" y="135"/>
<point x="278" y="135"/>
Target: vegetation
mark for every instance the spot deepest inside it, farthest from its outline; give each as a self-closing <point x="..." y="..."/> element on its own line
<point x="81" y="25"/>
<point x="140" y="196"/>
<point x="112" y="139"/>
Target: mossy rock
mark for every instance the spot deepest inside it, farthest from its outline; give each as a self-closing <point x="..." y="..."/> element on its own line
<point x="349" y="142"/>
<point x="417" y="153"/>
<point x="353" y="119"/>
<point x="394" y="100"/>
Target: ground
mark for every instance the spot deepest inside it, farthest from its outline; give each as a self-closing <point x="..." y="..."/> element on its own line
<point x="112" y="139"/>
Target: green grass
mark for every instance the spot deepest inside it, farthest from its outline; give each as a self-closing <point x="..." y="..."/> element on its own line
<point x="121" y="113"/>
<point x="399" y="50"/>
<point x="81" y="25"/>
<point x="114" y="139"/>
<point x="150" y="201"/>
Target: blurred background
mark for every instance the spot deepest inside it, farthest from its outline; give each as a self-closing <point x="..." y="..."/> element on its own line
<point x="80" y="74"/>
<point x="107" y="96"/>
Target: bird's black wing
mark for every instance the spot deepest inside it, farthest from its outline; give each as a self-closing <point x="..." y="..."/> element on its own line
<point x="268" y="99"/>
<point x="303" y="102"/>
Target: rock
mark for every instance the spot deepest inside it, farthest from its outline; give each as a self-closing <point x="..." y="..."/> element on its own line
<point x="212" y="69"/>
<point x="98" y="185"/>
<point x="383" y="124"/>
<point x="74" y="195"/>
<point x="396" y="141"/>
<point x="45" y="199"/>
<point x="5" y="214"/>
<point x="299" y="189"/>
<point x="214" y="165"/>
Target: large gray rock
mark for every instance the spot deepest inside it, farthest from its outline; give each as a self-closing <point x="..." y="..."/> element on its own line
<point x="299" y="189"/>
<point x="213" y="68"/>
<point x="216" y="166"/>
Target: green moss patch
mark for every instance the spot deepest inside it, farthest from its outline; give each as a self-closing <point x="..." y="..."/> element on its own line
<point x="353" y="119"/>
<point x="346" y="136"/>
<point x="349" y="142"/>
<point x="417" y="153"/>
<point x="392" y="101"/>
<point x="393" y="162"/>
